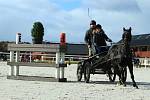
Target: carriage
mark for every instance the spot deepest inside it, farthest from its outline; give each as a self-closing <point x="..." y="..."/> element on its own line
<point x="114" y="61"/>
<point x="98" y="64"/>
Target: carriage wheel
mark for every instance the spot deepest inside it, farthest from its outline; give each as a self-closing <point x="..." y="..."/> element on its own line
<point x="112" y="75"/>
<point x="87" y="72"/>
<point x="79" y="72"/>
<point x="124" y="74"/>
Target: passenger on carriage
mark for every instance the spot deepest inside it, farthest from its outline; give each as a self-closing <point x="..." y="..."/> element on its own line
<point x="99" y="39"/>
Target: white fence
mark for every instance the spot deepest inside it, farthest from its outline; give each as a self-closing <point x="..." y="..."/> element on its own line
<point x="144" y="62"/>
<point x="15" y="62"/>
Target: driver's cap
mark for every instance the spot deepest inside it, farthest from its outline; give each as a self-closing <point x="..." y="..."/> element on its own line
<point x="93" y="22"/>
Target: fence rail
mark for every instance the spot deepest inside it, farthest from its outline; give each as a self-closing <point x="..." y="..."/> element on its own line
<point x="15" y="63"/>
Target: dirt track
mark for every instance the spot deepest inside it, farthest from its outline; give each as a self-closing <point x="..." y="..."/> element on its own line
<point x="99" y="87"/>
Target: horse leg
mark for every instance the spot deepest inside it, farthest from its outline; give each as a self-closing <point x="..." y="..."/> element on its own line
<point x="122" y="70"/>
<point x="122" y="74"/>
<point x="118" y="72"/>
<point x="130" y="66"/>
<point x="120" y="80"/>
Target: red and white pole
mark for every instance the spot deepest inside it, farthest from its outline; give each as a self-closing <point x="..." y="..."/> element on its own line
<point x="62" y="39"/>
<point x="62" y="54"/>
<point x="18" y="38"/>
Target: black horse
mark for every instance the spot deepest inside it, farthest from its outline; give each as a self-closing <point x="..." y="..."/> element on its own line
<point x="120" y="56"/>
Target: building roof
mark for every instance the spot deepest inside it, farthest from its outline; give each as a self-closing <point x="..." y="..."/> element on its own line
<point x="77" y="49"/>
<point x="142" y="39"/>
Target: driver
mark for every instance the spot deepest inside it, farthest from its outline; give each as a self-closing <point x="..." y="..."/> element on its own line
<point x="89" y="37"/>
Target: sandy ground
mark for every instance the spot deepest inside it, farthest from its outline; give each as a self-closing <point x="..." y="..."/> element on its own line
<point x="99" y="87"/>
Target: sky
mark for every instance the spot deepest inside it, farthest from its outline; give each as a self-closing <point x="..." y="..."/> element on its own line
<point x="72" y="17"/>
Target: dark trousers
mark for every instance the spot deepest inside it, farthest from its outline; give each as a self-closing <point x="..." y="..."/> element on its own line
<point x="100" y="49"/>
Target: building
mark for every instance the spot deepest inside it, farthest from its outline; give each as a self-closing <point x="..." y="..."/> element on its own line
<point x="141" y="45"/>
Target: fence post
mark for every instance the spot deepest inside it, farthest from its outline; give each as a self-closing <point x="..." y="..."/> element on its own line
<point x="62" y="53"/>
<point x="57" y="62"/>
<point x="42" y="58"/>
<point x="62" y="61"/>
<point x="11" y="73"/>
<point x="16" y="68"/>
<point x="145" y="62"/>
<point x="30" y="57"/>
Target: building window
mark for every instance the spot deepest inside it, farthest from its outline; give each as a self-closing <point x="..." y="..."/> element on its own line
<point x="135" y="49"/>
<point x="143" y="48"/>
<point x="148" y="48"/>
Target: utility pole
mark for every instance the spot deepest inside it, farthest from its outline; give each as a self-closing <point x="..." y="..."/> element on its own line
<point x="89" y="14"/>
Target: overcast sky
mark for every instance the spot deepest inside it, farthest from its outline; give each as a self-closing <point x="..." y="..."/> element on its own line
<point x="71" y="17"/>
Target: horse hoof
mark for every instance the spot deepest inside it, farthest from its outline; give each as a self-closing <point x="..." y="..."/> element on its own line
<point x="134" y="85"/>
<point x="119" y="83"/>
<point x="124" y="85"/>
<point x="137" y="87"/>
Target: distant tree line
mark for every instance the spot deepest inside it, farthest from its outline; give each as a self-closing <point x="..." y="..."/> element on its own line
<point x="3" y="46"/>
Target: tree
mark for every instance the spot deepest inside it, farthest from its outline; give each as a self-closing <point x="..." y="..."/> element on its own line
<point x="37" y="33"/>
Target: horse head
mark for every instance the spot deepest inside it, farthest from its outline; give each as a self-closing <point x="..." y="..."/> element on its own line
<point x="122" y="49"/>
<point x="126" y="37"/>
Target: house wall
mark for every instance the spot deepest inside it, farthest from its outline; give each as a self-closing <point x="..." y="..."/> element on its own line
<point x="141" y="51"/>
<point x="142" y="54"/>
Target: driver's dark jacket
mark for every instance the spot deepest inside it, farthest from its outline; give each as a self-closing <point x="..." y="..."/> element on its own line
<point x="99" y="39"/>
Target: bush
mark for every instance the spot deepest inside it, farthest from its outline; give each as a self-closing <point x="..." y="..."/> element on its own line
<point x="37" y="33"/>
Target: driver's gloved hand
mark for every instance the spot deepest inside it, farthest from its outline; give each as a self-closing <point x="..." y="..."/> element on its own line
<point x="109" y="40"/>
<point x="89" y="46"/>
